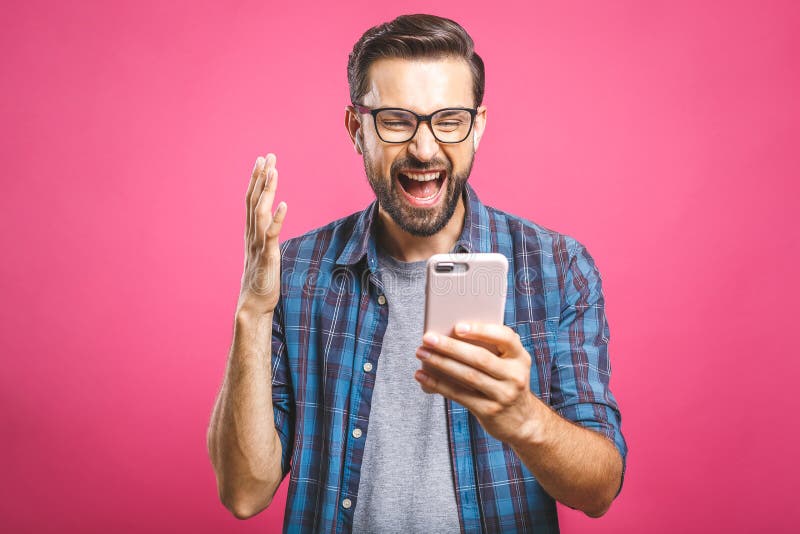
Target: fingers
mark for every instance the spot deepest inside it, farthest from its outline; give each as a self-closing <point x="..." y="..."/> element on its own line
<point x="274" y="229"/>
<point x="470" y="377"/>
<point x="255" y="194"/>
<point x="263" y="209"/>
<point x="267" y="193"/>
<point x="503" y="337"/>
<point x="257" y="168"/>
<point x="260" y="176"/>
<point x="431" y="383"/>
<point x="256" y="172"/>
<point x="469" y="354"/>
<point x="258" y="179"/>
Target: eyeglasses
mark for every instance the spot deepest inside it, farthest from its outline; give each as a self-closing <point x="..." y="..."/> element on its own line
<point x="398" y="125"/>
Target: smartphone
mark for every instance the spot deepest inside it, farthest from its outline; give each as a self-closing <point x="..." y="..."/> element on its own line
<point x="465" y="287"/>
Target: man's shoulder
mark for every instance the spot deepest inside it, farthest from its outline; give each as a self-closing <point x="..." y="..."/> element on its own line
<point x="542" y="257"/>
<point x="524" y="235"/>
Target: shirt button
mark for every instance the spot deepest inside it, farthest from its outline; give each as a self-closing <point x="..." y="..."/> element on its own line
<point x="347" y="503"/>
<point x="381" y="300"/>
<point x="367" y="367"/>
<point x="356" y="433"/>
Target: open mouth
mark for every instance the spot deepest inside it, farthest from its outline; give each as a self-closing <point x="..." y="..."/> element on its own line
<point x="422" y="188"/>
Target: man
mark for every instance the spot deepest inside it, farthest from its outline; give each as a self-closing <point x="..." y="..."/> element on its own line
<point x="321" y="381"/>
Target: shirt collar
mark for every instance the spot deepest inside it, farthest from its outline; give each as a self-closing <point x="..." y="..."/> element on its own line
<point x="475" y="236"/>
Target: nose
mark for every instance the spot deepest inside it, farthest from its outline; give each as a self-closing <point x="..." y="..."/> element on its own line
<point x="424" y="145"/>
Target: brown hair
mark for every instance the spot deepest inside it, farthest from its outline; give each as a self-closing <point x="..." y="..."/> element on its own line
<point x="409" y="37"/>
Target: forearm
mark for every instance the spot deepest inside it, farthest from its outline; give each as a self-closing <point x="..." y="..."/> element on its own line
<point x="243" y="443"/>
<point x="576" y="466"/>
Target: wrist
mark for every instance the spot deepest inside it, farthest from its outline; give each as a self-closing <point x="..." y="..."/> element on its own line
<point x="247" y="317"/>
<point x="251" y="334"/>
<point x="535" y="430"/>
<point x="255" y="304"/>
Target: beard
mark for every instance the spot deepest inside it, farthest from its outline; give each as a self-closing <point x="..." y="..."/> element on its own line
<point x="417" y="221"/>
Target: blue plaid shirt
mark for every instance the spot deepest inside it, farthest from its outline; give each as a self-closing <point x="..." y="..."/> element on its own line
<point x="327" y="333"/>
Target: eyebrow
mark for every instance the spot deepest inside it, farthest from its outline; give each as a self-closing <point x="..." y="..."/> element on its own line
<point x="437" y="109"/>
<point x="454" y="112"/>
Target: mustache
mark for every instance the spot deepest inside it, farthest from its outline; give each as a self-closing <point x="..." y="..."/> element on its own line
<point x="419" y="166"/>
<point x="416" y="165"/>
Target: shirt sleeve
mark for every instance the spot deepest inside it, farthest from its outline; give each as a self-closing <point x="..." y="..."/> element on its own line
<point x="581" y="369"/>
<point x="282" y="397"/>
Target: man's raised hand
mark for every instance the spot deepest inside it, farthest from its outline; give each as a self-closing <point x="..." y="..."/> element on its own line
<point x="262" y="257"/>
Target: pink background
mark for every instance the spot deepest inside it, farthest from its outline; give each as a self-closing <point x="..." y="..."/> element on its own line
<point x="662" y="135"/>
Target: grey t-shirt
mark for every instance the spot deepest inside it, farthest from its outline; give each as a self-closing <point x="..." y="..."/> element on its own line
<point x="406" y="482"/>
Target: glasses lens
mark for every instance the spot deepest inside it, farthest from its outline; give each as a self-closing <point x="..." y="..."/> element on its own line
<point x="398" y="126"/>
<point x="395" y="126"/>
<point x="451" y="125"/>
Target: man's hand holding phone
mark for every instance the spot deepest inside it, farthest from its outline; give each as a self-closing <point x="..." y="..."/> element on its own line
<point x="494" y="387"/>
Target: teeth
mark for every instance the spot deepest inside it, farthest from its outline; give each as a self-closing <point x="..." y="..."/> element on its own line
<point x="422" y="177"/>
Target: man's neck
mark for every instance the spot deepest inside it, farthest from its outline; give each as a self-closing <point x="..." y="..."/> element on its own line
<point x="406" y="247"/>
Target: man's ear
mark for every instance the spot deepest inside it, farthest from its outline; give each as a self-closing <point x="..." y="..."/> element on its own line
<point x="479" y="127"/>
<point x="353" y="126"/>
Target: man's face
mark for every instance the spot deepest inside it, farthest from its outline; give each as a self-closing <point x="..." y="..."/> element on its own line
<point x="397" y="171"/>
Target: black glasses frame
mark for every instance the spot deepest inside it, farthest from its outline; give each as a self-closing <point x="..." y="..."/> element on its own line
<point x="420" y="119"/>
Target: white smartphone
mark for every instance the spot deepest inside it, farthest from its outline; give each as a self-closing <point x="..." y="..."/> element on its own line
<point x="465" y="287"/>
